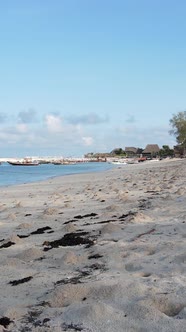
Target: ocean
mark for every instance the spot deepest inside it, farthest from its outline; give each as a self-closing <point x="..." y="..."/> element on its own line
<point x="12" y="175"/>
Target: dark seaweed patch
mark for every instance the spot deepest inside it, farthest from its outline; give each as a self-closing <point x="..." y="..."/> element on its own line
<point x="7" y="244"/>
<point x="74" y="280"/>
<point x="71" y="326"/>
<point x="124" y="216"/>
<point x="87" y="271"/>
<point x="45" y="320"/>
<point x="23" y="236"/>
<point x="68" y="222"/>
<point x="105" y="221"/>
<point x="80" y="232"/>
<point x="97" y="266"/>
<point x="69" y="239"/>
<point x="20" y="281"/>
<point x="96" y="256"/>
<point x="5" y="321"/>
<point x="86" y="215"/>
<point x="38" y="231"/>
<point x="41" y="230"/>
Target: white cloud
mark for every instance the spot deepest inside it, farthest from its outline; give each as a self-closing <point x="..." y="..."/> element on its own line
<point x="22" y="128"/>
<point x="53" y="123"/>
<point x="77" y="139"/>
<point x="88" y="141"/>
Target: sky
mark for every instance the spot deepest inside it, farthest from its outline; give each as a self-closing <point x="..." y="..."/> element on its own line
<point x="79" y="76"/>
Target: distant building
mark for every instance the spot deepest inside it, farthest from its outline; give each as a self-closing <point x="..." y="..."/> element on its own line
<point x="100" y="156"/>
<point x="151" y="151"/>
<point x="131" y="151"/>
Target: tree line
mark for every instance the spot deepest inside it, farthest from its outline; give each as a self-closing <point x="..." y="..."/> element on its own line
<point x="178" y="124"/>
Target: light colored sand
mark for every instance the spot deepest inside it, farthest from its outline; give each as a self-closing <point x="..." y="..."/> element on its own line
<point x="132" y="276"/>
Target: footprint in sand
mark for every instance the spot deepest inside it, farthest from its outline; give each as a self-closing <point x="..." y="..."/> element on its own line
<point x="168" y="306"/>
<point x="130" y="267"/>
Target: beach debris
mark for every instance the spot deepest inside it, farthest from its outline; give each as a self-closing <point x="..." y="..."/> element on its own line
<point x="96" y="256"/>
<point x="103" y="222"/>
<point x="145" y="233"/>
<point x="87" y="271"/>
<point x="69" y="221"/>
<point x="74" y="280"/>
<point x="7" y="244"/>
<point x="5" y="321"/>
<point x="41" y="230"/>
<point x="97" y="266"/>
<point x="129" y="216"/>
<point x="23" y="236"/>
<point x="85" y="215"/>
<point x="69" y="239"/>
<point x="74" y="327"/>
<point x="20" y="281"/>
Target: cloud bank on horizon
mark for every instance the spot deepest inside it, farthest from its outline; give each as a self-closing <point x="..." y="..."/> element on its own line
<point x="56" y="134"/>
<point x="80" y="76"/>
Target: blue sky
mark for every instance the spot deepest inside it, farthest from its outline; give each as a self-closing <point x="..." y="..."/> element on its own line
<point x="80" y="76"/>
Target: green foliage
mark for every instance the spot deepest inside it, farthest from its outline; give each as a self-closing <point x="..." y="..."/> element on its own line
<point x="140" y="150"/>
<point x="178" y="124"/>
<point x="118" y="152"/>
<point x="166" y="151"/>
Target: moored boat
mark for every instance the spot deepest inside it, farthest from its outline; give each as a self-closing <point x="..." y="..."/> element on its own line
<point x="24" y="162"/>
<point x="118" y="162"/>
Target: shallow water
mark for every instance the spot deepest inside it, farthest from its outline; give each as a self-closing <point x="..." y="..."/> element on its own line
<point x="11" y="175"/>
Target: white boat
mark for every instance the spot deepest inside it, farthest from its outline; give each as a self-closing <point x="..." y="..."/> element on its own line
<point x="118" y="162"/>
<point x="24" y="162"/>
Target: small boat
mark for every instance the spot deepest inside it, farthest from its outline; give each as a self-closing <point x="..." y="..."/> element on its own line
<point x="141" y="159"/>
<point x="24" y="162"/>
<point x="64" y="162"/>
<point x="118" y="162"/>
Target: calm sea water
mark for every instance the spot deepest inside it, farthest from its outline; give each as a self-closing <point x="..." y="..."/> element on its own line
<point x="11" y="175"/>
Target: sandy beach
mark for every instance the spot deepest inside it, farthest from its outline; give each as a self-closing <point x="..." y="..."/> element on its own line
<point x="97" y="252"/>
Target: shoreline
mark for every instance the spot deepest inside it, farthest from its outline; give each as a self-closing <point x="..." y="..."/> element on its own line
<point x="50" y="176"/>
<point x="96" y="252"/>
<point x="123" y="167"/>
